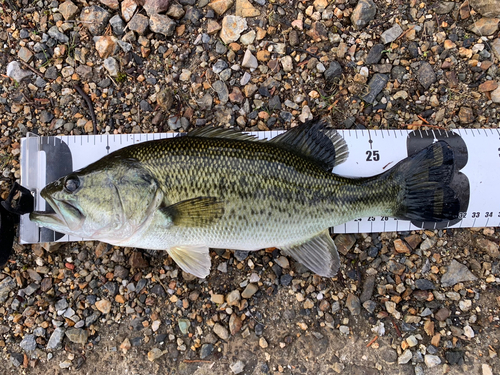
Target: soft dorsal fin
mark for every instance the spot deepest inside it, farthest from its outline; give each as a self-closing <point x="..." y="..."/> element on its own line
<point x="323" y="145"/>
<point x="210" y="132"/>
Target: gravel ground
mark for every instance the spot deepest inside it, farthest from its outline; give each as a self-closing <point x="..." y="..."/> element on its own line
<point x="423" y="302"/>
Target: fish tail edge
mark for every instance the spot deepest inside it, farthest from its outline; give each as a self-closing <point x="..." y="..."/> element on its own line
<point x="425" y="178"/>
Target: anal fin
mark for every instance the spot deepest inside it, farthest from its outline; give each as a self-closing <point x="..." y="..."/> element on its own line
<point x="319" y="254"/>
<point x="192" y="259"/>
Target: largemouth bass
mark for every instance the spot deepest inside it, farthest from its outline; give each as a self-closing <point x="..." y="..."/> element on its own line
<point x="216" y="188"/>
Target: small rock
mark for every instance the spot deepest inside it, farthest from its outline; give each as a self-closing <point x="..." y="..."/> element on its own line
<point x="363" y="13"/>
<point x="117" y="25"/>
<point x="333" y="71"/>
<point x="128" y="9"/>
<point x="487" y="8"/>
<point x="221" y="90"/>
<point x="232" y="27"/>
<point x="490" y="247"/>
<point x="206" y="350"/>
<point x="405" y="357"/>
<point x="454" y="357"/>
<point x="221" y="6"/>
<point x="442" y="314"/>
<point x="137" y="260"/>
<point x="426" y="75"/>
<point x="431" y="360"/>
<point x="112" y="4"/>
<point x="344" y="243"/>
<point x="139" y="23"/>
<point x="46" y="117"/>
<point x="353" y="304"/>
<point x="468" y="332"/>
<point x="125" y="345"/>
<point x="221" y="331"/>
<point x="466" y="115"/>
<point x="375" y="86"/>
<point x="176" y="11"/>
<point x="424" y="284"/>
<point x="103" y="306"/>
<point x="55" y="340"/>
<point x="488" y="86"/>
<point x="106" y="46"/>
<point x="17" y="359"/>
<point x="95" y="19"/>
<point x="245" y="9"/>
<point x="400" y="246"/>
<point x="368" y="286"/>
<point x="391" y="34"/>
<point x="154" y="354"/>
<point x="263" y="343"/>
<point x="112" y="66"/>
<point x="15" y="72"/>
<point x="237" y="367"/>
<point x="248" y="38"/>
<point x="465" y="305"/>
<point x="485" y="26"/>
<point x="28" y="344"/>
<point x="235" y="324"/>
<point x="456" y="273"/>
<point x="233" y="298"/>
<point x="249" y="291"/>
<point x="287" y="63"/>
<point x="68" y="10"/>
<point x="249" y="60"/>
<point x="486" y="369"/>
<point x="77" y="335"/>
<point x="375" y="54"/>
<point x="241" y="255"/>
<point x="162" y="24"/>
<point x="184" y="325"/>
<point x="25" y="54"/>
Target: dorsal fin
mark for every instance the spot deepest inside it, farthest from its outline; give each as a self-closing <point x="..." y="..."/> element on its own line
<point x="323" y="145"/>
<point x="231" y="133"/>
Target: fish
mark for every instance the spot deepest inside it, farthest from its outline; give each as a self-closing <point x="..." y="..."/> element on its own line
<point x="221" y="188"/>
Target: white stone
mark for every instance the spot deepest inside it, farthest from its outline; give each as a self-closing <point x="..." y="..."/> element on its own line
<point x="405" y="357"/>
<point x="432" y="360"/>
<point x="249" y="60"/>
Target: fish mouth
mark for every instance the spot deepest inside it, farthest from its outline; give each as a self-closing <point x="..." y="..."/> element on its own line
<point x="65" y="216"/>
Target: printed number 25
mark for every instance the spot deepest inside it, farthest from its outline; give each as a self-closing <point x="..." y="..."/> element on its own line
<point x="372" y="156"/>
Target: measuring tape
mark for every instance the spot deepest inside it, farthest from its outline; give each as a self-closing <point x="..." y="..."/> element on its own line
<point x="477" y="157"/>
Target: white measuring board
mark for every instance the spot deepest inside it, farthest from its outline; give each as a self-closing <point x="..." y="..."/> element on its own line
<point x="477" y="154"/>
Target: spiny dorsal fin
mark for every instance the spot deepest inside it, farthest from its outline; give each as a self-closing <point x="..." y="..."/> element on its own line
<point x="319" y="254"/>
<point x="196" y="212"/>
<point x="314" y="140"/>
<point x="210" y="132"/>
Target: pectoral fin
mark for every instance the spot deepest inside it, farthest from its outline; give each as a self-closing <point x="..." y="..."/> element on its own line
<point x="196" y="212"/>
<point x="192" y="259"/>
<point x="319" y="254"/>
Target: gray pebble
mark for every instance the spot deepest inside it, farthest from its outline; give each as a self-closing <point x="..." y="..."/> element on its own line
<point x="28" y="344"/>
<point x="56" y="339"/>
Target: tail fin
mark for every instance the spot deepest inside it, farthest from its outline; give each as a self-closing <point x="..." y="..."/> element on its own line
<point x="425" y="177"/>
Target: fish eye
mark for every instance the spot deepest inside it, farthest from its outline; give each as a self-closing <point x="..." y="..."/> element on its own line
<point x="71" y="183"/>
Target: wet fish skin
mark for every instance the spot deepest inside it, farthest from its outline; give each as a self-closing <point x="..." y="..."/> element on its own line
<point x="222" y="189"/>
